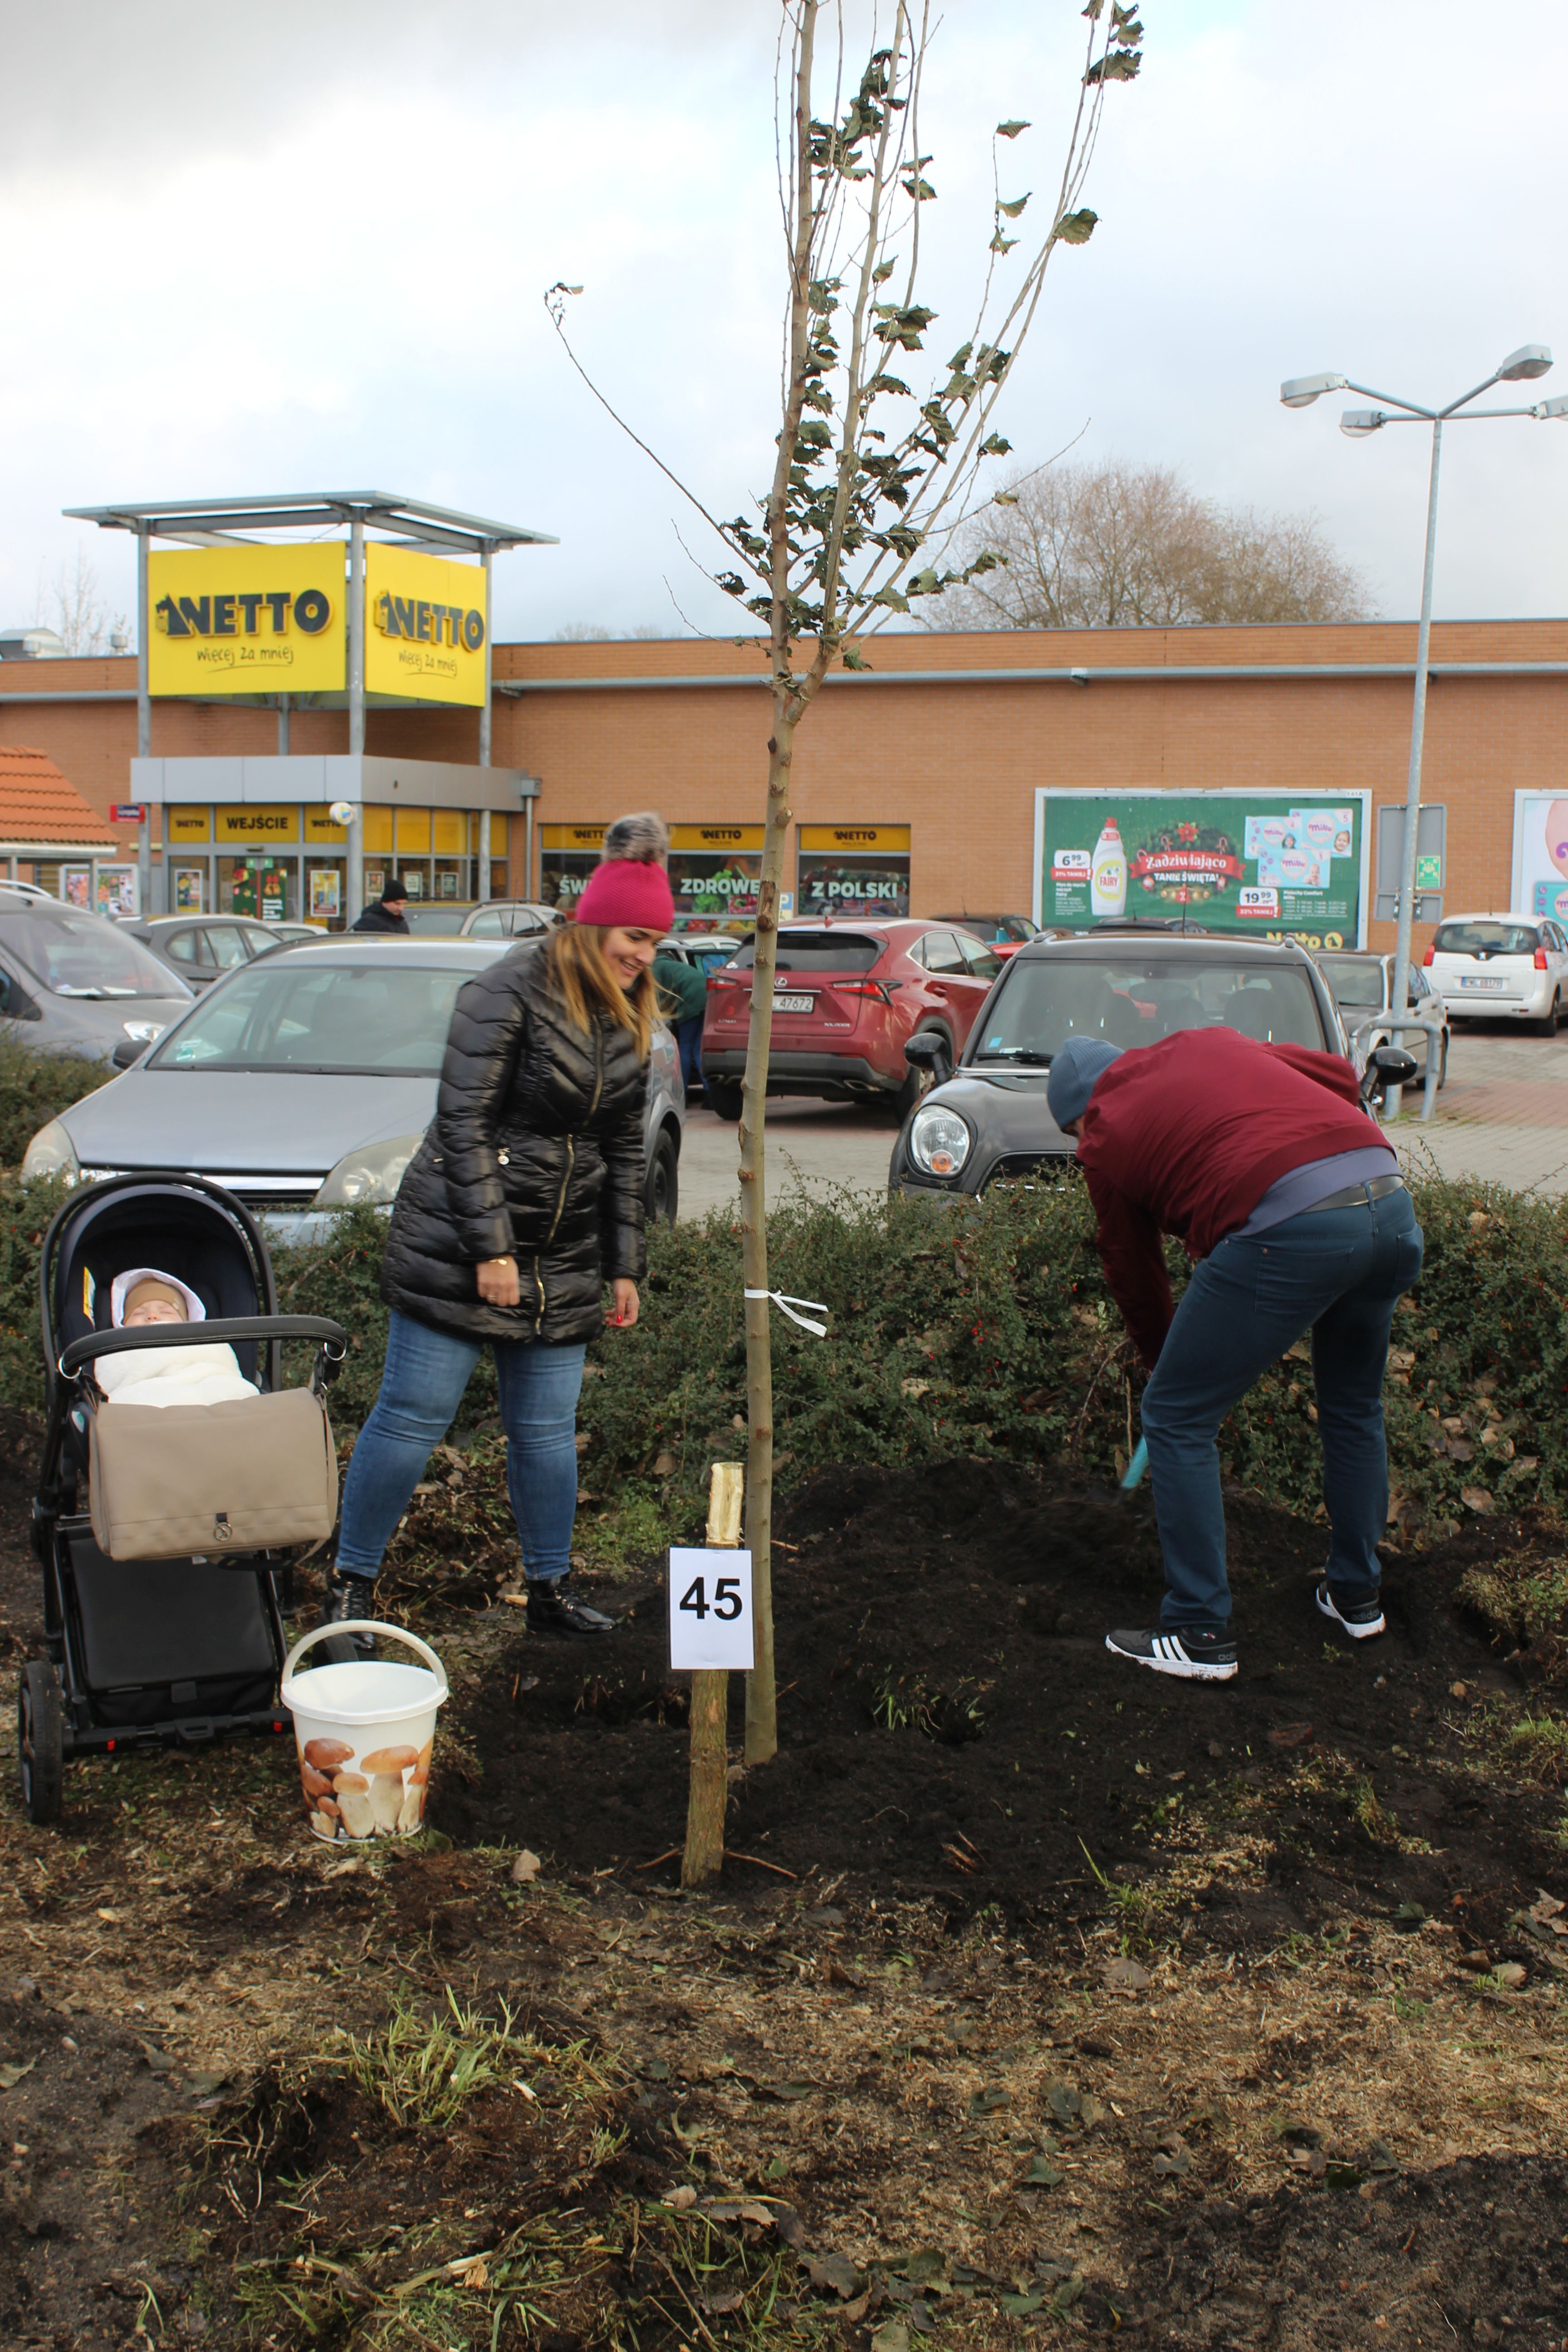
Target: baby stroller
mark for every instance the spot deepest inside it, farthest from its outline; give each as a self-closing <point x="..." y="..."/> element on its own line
<point x="164" y="1583"/>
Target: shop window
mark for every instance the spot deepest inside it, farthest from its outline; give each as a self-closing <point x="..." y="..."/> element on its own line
<point x="715" y="873"/>
<point x="567" y="856"/>
<point x="853" y="870"/>
<point x="187" y="889"/>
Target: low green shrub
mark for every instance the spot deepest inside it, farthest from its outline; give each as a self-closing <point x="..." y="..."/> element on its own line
<point x="36" y="1088"/>
<point x="985" y="1330"/>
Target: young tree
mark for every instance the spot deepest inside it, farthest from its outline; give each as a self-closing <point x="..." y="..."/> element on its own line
<point x="870" y="468"/>
<point x="82" y="619"/>
<point x="1113" y="545"/>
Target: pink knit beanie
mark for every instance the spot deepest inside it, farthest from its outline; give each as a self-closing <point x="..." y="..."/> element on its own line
<point x="631" y="889"/>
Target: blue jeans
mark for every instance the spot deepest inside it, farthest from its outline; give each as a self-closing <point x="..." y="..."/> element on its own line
<point x="1337" y="1273"/>
<point x="688" y="1037"/>
<point x="421" y="1387"/>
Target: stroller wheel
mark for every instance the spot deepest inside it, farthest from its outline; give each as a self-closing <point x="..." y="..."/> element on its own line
<point x="40" y="1739"/>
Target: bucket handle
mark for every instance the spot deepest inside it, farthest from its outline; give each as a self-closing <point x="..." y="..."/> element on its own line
<point x="367" y="1625"/>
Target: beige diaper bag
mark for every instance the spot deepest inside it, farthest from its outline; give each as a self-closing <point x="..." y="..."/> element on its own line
<point x="177" y="1481"/>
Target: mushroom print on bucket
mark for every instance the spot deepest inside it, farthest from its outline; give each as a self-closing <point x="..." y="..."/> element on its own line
<point x="378" y="1795"/>
<point x="365" y="1729"/>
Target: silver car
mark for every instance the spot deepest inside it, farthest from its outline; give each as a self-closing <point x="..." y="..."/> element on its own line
<point x="304" y="1083"/>
<point x="74" y="984"/>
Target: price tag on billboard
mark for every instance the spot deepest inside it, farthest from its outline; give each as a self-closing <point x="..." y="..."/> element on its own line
<point x="711" y="1610"/>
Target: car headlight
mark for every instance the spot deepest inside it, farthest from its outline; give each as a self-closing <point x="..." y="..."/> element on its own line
<point x="940" y="1140"/>
<point x="144" y="1032"/>
<point x="368" y="1178"/>
<point x="50" y="1153"/>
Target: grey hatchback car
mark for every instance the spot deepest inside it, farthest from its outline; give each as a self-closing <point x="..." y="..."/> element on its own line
<point x="304" y="1082"/>
<point x="76" y="983"/>
<point x="202" y="948"/>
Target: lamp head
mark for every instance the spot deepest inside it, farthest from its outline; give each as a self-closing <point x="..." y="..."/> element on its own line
<point x="1529" y="360"/>
<point x="1359" y="422"/>
<point x="1300" y="391"/>
<point x="1556" y="406"/>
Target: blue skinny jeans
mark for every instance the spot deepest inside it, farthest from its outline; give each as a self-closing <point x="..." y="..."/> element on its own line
<point x="1337" y="1273"/>
<point x="421" y="1387"/>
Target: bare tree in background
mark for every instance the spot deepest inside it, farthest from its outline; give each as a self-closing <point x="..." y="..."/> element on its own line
<point x="870" y="467"/>
<point x="1115" y="545"/>
<point x="73" y="606"/>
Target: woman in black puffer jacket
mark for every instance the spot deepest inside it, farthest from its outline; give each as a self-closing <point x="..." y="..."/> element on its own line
<point x="524" y="1199"/>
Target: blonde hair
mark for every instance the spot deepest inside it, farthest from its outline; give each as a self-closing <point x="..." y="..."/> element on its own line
<point x="581" y="977"/>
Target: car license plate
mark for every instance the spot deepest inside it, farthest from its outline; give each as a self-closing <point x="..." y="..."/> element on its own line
<point x="794" y="1003"/>
<point x="1466" y="981"/>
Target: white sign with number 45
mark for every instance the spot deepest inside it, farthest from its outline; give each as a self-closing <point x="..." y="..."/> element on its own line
<point x="711" y="1610"/>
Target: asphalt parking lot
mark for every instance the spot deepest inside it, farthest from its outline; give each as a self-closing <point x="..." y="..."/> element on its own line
<point x="1503" y="1115"/>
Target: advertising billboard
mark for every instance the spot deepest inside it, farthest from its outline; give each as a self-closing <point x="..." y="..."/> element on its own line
<point x="247" y="620"/>
<point x="1540" y="856"/>
<point x="1262" y="864"/>
<point x="426" y="624"/>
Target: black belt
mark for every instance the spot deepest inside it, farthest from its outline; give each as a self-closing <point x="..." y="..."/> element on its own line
<point x="1355" y="1196"/>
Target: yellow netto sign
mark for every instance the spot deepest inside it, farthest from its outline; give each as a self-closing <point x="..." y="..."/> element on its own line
<point x="717" y="836"/>
<point x="247" y="620"/>
<point x="426" y="627"/>
<point x="854" y="839"/>
<point x="574" y="837"/>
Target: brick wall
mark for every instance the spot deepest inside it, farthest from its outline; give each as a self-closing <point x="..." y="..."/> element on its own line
<point x="957" y="758"/>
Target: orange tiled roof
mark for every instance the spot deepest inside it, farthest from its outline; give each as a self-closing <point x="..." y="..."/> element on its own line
<point x="37" y="804"/>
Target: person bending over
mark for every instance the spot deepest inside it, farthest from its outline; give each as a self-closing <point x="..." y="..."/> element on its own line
<point x="1261" y="1160"/>
<point x="524" y="1199"/>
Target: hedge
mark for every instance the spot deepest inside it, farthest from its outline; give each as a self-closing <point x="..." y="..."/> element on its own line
<point x="981" y="1330"/>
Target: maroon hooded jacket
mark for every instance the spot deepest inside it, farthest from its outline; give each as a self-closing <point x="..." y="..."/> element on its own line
<point x="1185" y="1137"/>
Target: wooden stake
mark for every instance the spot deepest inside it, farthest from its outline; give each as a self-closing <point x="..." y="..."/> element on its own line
<point x="709" y="1786"/>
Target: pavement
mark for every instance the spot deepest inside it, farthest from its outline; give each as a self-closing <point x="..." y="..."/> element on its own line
<point x="1503" y="1115"/>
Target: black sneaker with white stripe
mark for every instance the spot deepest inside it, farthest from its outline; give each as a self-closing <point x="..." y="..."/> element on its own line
<point x="1361" y="1619"/>
<point x="1196" y="1656"/>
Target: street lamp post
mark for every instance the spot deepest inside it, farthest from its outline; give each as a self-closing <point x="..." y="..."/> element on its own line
<point x="1530" y="360"/>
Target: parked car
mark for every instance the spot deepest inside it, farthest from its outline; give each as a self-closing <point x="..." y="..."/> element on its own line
<point x="76" y="984"/>
<point x="1362" y="986"/>
<point x="510" y="919"/>
<point x="303" y="1082"/>
<point x="990" y="1119"/>
<point x="847" y="999"/>
<point x="1005" y="933"/>
<point x="705" y="951"/>
<point x="1500" y="968"/>
<point x="201" y="948"/>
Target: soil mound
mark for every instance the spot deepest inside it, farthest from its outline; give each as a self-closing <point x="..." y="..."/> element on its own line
<point x="952" y="1724"/>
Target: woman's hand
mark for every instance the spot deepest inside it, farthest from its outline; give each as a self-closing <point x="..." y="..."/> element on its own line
<point x="498" y="1285"/>
<point x="625" y="1313"/>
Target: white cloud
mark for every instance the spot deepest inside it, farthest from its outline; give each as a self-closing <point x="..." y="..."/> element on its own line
<point x="305" y="249"/>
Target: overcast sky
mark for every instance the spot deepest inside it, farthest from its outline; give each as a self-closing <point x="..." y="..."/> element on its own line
<point x="303" y="247"/>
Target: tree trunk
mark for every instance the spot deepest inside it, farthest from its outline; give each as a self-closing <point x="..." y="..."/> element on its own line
<point x="762" y="1706"/>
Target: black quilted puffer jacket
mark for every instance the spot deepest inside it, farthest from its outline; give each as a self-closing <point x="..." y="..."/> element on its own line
<point x="536" y="1152"/>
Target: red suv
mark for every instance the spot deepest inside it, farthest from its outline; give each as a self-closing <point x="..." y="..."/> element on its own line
<point x="847" y="997"/>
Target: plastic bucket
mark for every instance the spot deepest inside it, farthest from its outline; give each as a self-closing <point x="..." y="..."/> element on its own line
<point x="365" y="1732"/>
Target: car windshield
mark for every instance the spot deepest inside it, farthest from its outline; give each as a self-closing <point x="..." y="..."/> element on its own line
<point x="331" y="1019"/>
<point x="1134" y="1000"/>
<point x="1486" y="938"/>
<point x="84" y="955"/>
<point x="819" y="951"/>
<point x="1355" y="981"/>
<point x="996" y="930"/>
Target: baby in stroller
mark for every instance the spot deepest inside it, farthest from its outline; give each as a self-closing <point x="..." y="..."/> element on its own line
<point x="144" y="1295"/>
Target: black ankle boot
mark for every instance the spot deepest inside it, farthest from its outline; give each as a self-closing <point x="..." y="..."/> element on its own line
<point x="348" y="1596"/>
<point x="554" y="1607"/>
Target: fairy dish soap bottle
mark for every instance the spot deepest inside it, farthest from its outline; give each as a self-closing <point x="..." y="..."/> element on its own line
<point x="1108" y="874"/>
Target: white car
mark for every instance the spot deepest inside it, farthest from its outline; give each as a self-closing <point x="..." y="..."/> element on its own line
<point x="1500" y="968"/>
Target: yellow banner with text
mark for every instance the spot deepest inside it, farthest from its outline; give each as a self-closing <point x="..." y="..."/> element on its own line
<point x="247" y="620"/>
<point x="426" y="625"/>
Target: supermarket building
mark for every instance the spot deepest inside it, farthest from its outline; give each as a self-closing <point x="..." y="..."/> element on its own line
<point x="914" y="785"/>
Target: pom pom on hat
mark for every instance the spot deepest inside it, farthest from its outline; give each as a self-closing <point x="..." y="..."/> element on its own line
<point x="631" y="889"/>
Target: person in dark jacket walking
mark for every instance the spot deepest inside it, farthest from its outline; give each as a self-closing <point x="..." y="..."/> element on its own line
<point x="1262" y="1160"/>
<point x="685" y="990"/>
<point x="385" y="913"/>
<point x="524" y="1199"/>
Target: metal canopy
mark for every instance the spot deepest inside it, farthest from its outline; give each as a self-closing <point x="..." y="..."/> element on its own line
<point x="206" y="522"/>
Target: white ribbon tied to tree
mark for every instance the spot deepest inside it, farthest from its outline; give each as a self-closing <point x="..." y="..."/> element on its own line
<point x="789" y="1304"/>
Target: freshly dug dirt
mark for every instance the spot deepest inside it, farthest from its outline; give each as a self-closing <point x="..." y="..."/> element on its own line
<point x="951" y="1724"/>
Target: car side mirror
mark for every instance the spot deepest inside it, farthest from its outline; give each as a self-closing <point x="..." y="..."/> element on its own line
<point x="129" y="1050"/>
<point x="1387" y="1065"/>
<point x="925" y="1051"/>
